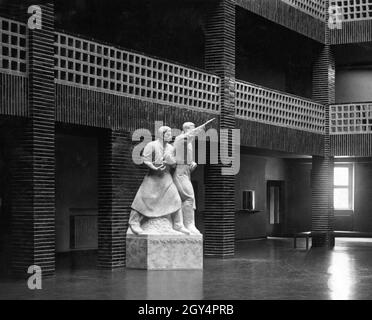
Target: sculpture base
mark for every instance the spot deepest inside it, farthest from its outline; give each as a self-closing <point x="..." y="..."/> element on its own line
<point x="164" y="252"/>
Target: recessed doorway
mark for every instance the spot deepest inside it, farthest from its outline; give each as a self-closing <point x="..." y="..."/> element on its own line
<point x="275" y="208"/>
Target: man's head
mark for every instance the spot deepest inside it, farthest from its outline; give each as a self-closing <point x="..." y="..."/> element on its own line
<point x="165" y="133"/>
<point x="187" y="126"/>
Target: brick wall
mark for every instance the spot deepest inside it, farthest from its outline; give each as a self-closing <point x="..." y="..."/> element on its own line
<point x="33" y="189"/>
<point x="219" y="195"/>
<point x="118" y="181"/>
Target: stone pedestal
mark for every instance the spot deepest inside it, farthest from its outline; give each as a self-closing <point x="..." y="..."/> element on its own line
<point x="164" y="252"/>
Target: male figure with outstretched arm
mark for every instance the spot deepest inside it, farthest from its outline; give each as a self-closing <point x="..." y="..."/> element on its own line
<point x="185" y="165"/>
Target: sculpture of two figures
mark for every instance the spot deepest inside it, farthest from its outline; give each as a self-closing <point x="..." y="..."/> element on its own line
<point x="165" y="204"/>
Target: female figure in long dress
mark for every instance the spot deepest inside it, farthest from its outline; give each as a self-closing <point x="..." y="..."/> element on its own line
<point x="158" y="195"/>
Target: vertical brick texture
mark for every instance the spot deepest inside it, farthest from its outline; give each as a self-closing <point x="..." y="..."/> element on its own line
<point x="220" y="193"/>
<point x="119" y="179"/>
<point x="33" y="186"/>
<point x="322" y="189"/>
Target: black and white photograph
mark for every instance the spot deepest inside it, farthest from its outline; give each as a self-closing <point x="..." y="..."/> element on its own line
<point x="186" y="154"/>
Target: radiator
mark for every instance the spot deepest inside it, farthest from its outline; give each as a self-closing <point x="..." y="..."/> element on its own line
<point x="83" y="231"/>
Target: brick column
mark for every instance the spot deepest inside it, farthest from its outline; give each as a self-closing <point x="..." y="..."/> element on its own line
<point x="322" y="189"/>
<point x="33" y="182"/>
<point x="118" y="182"/>
<point x="322" y="202"/>
<point x="220" y="190"/>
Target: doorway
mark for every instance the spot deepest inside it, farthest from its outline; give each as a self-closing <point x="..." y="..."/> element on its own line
<point x="76" y="197"/>
<point x="275" y="208"/>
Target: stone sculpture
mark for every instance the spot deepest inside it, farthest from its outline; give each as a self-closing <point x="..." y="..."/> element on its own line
<point x="157" y="238"/>
<point x="185" y="165"/>
<point x="163" y="204"/>
<point x="157" y="199"/>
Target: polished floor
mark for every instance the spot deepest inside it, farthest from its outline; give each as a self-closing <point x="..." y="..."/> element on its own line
<point x="262" y="269"/>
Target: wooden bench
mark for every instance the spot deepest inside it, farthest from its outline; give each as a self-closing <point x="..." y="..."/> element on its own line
<point x="336" y="234"/>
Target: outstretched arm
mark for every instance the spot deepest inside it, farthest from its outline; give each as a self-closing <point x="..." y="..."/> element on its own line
<point x="196" y="131"/>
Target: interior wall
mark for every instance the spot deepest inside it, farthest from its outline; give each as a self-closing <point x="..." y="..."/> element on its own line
<point x="299" y="199"/>
<point x="263" y="72"/>
<point x="4" y="213"/>
<point x="292" y="75"/>
<point x="170" y="29"/>
<point x="254" y="173"/>
<point x="8" y="132"/>
<point x="353" y="85"/>
<point x="362" y="218"/>
<point x="273" y="56"/>
<point x="298" y="191"/>
<point x="76" y="182"/>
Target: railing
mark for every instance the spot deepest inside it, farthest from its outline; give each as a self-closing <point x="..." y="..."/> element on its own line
<point x="13" y="48"/>
<point x="276" y="108"/>
<point x="355" y="118"/>
<point x="352" y="10"/>
<point x="101" y="67"/>
<point x="345" y="10"/>
<point x="315" y="8"/>
<point x="87" y="64"/>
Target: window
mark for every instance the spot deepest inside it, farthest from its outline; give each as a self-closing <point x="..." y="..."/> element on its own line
<point x="343" y="187"/>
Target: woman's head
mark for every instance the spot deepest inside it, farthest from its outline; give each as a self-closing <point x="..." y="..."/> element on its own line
<point x="165" y="133"/>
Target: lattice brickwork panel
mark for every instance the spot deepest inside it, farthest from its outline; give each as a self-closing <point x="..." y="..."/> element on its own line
<point x="351" y="118"/>
<point x="92" y="65"/>
<point x="314" y="8"/>
<point x="272" y="107"/>
<point x="352" y="10"/>
<point x="13" y="57"/>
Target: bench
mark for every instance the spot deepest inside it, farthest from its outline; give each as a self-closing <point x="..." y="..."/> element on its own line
<point x="306" y="234"/>
<point x="336" y="234"/>
<point x="352" y="234"/>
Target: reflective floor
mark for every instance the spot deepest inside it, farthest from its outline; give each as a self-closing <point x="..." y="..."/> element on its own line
<point x="262" y="269"/>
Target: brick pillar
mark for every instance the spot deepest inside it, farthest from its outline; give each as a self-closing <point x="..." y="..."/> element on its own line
<point x="118" y="182"/>
<point x="33" y="182"/>
<point x="322" y="190"/>
<point x="322" y="201"/>
<point x="220" y="190"/>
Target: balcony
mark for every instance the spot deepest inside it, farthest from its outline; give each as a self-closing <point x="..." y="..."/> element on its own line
<point x="343" y="10"/>
<point x="13" y="68"/>
<point x="352" y="10"/>
<point x="354" y="21"/>
<point x="94" y="66"/>
<point x="100" y="67"/>
<point x="355" y="118"/>
<point x="314" y="8"/>
<point x="351" y="129"/>
<point x="260" y="104"/>
<point x="306" y="17"/>
<point x="13" y="48"/>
